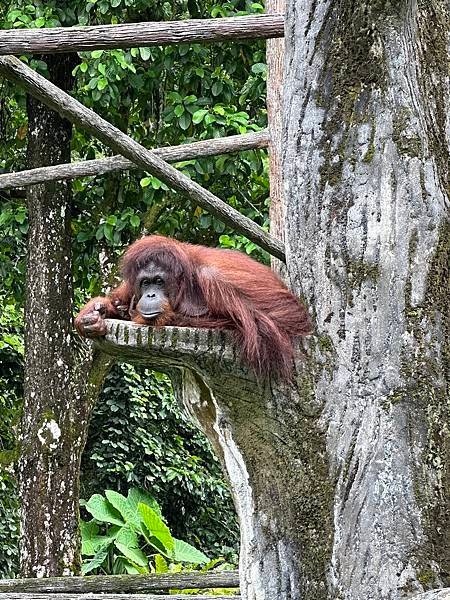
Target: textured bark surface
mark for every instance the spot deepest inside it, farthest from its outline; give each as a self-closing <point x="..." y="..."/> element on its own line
<point x="75" y="39"/>
<point x="366" y="168"/>
<point x="100" y="166"/>
<point x="120" y="583"/>
<point x="73" y="110"/>
<point x="55" y="410"/>
<point x="275" y="77"/>
<point x="95" y="596"/>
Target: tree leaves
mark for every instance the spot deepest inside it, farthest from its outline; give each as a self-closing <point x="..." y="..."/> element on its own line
<point x="129" y="521"/>
<point x="103" y="511"/>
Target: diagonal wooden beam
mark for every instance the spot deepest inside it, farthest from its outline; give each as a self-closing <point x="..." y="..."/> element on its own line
<point x="100" y="166"/>
<point x="74" y="111"/>
<point x="159" y="33"/>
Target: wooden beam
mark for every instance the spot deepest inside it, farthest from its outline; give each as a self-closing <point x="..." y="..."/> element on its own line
<point x="120" y="583"/>
<point x="74" y="111"/>
<point x="64" y="596"/>
<point x="103" y="37"/>
<point x="86" y="168"/>
<point x="275" y="76"/>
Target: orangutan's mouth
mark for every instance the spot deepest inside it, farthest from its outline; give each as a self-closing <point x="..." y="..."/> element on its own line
<point x="150" y="316"/>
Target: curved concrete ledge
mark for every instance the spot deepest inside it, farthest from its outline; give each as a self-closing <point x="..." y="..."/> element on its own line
<point x="202" y="349"/>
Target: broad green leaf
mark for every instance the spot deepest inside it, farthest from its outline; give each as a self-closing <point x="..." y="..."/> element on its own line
<point x="217" y="88"/>
<point x="145" y="53"/>
<point x="102" y="83"/>
<point x="126" y="535"/>
<point x="89" y="531"/>
<point x="198" y="116"/>
<point x="123" y="563"/>
<point x="134" y="554"/>
<point x="184" y="121"/>
<point x="103" y="511"/>
<point x="161" y="565"/>
<point x="179" y="110"/>
<point x="135" y="496"/>
<point x="120" y="503"/>
<point x="259" y="68"/>
<point x="145" y="182"/>
<point x="156" y="526"/>
<point x="94" y="563"/>
<point x="156" y="544"/>
<point x="184" y="552"/>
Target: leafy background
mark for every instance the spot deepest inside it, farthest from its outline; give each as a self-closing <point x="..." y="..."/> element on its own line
<point x="138" y="436"/>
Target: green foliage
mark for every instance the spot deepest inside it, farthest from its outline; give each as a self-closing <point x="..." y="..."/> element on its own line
<point x="140" y="437"/>
<point x="11" y="353"/>
<point x="160" y="96"/>
<point x="129" y="535"/>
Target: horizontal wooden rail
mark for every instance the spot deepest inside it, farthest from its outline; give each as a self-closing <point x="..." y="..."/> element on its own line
<point x="120" y="583"/>
<point x="64" y="596"/>
<point x="102" y="37"/>
<point x="74" y="111"/>
<point x="86" y="168"/>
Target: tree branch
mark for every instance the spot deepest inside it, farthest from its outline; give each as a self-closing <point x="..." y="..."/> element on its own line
<point x="234" y="143"/>
<point x="98" y="37"/>
<point x="74" y="111"/>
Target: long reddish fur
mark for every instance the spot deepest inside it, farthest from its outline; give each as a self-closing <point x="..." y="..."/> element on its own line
<point x="220" y="289"/>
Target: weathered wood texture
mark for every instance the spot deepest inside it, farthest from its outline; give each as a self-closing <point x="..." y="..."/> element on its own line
<point x="73" y="110"/>
<point x="212" y="147"/>
<point x="115" y="584"/>
<point x="102" y="37"/>
<point x="275" y="79"/>
<point x="366" y="167"/>
<point x="95" y="596"/>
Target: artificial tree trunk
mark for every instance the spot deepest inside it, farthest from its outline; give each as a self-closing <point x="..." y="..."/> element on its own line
<point x="341" y="477"/>
<point x="57" y="400"/>
<point x="366" y="165"/>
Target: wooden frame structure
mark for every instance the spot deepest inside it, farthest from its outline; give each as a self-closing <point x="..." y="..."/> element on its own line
<point x="110" y="587"/>
<point x="133" y="154"/>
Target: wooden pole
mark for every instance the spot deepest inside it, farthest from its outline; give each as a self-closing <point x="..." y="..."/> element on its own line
<point x="275" y="78"/>
<point x="74" y="111"/>
<point x="86" y="168"/>
<point x="102" y="37"/>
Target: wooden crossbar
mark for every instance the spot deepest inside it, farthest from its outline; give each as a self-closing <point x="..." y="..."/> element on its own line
<point x="101" y="37"/>
<point x="64" y="596"/>
<point x="115" y="584"/>
<point x="86" y="168"/>
<point x="74" y="111"/>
